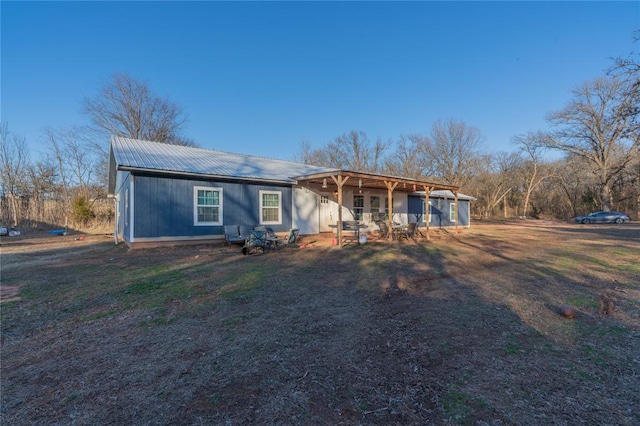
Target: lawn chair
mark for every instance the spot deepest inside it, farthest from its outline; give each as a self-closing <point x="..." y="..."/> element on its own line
<point x="383" y="230"/>
<point x="232" y="235"/>
<point x="292" y="238"/>
<point x="257" y="240"/>
<point x="410" y="232"/>
<point x="245" y="231"/>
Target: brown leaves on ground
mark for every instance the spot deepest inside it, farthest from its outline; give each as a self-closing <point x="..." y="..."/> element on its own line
<point x="464" y="329"/>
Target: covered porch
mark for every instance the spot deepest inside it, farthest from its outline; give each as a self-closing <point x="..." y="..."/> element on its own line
<point x="337" y="181"/>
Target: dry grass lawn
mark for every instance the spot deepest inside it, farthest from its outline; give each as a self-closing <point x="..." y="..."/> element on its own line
<point x="463" y="329"/>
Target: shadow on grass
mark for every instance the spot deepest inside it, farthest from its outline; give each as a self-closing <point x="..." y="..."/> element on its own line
<point x="464" y="330"/>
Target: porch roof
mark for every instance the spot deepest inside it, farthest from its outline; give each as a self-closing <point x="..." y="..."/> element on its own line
<point x="333" y="179"/>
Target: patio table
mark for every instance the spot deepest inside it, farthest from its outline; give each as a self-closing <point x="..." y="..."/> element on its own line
<point x="355" y="228"/>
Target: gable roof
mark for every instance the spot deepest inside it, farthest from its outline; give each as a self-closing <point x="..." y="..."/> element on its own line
<point x="160" y="158"/>
<point x="138" y="155"/>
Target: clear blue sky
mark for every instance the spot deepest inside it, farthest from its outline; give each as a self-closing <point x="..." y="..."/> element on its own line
<point x="259" y="78"/>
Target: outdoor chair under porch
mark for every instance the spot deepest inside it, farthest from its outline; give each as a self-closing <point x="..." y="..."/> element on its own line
<point x="257" y="241"/>
<point x="409" y="231"/>
<point x="383" y="230"/>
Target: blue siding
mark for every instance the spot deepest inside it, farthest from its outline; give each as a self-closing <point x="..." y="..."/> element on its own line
<point x="439" y="211"/>
<point x="164" y="206"/>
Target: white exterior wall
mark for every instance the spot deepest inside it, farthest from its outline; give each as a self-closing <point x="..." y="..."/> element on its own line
<point x="306" y="216"/>
<point x="306" y="208"/>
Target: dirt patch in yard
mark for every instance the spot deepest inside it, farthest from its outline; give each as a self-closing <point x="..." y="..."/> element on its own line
<point x="462" y="329"/>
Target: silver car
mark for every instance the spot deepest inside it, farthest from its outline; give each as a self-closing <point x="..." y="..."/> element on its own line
<point x="603" y="217"/>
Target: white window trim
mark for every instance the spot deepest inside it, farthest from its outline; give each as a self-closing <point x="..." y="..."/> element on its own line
<point x="279" y="221"/>
<point x="195" y="206"/>
<point x="452" y="212"/>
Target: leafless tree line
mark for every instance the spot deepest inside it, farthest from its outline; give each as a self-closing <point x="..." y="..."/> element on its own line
<point x="68" y="185"/>
<point x="597" y="134"/>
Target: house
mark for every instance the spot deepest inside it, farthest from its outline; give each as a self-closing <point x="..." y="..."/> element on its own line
<point x="176" y="194"/>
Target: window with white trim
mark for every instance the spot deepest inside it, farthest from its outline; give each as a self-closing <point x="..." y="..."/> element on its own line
<point x="270" y="207"/>
<point x="358" y="207"/>
<point x="376" y="214"/>
<point x="452" y="212"/>
<point x="207" y="206"/>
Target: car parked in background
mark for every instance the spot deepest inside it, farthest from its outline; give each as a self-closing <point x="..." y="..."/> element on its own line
<point x="603" y="217"/>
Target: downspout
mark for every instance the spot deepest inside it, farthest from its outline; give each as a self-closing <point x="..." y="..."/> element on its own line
<point x="115" y="219"/>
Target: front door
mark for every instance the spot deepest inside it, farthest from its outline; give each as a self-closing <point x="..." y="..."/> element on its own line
<point x="326" y="213"/>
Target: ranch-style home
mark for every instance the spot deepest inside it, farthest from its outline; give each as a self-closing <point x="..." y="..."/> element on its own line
<point x="176" y="194"/>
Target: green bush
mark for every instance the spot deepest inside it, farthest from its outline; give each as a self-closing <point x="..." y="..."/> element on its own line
<point x="82" y="211"/>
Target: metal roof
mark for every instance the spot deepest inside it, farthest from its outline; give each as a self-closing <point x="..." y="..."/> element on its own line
<point x="139" y="155"/>
<point x="134" y="154"/>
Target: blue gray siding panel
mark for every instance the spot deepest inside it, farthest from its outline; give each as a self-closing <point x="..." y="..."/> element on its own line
<point x="440" y="211"/>
<point x="164" y="206"/>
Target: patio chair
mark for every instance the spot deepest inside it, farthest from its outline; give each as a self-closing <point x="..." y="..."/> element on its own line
<point x="245" y="231"/>
<point x="410" y="231"/>
<point x="292" y="238"/>
<point x="232" y="235"/>
<point x="257" y="240"/>
<point x="383" y="230"/>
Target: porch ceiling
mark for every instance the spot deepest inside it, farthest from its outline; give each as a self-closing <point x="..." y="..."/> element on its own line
<point x="368" y="181"/>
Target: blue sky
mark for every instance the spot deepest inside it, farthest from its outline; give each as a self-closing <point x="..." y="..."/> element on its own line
<point x="259" y="78"/>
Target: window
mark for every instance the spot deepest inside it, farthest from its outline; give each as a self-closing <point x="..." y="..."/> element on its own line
<point x="270" y="207"/>
<point x="207" y="206"/>
<point x="358" y="207"/>
<point x="386" y="207"/>
<point x="324" y="199"/>
<point x="452" y="212"/>
<point x="376" y="214"/>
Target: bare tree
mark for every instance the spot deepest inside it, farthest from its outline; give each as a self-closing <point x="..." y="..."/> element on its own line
<point x="495" y="179"/>
<point x="125" y="106"/>
<point x="454" y="149"/>
<point x="307" y="155"/>
<point x="351" y="151"/>
<point x="409" y="158"/>
<point x="534" y="171"/>
<point x="598" y="127"/>
<point x="42" y="181"/>
<point x="628" y="66"/>
<point x="14" y="161"/>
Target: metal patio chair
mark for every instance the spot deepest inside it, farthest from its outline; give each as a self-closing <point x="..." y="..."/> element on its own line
<point x="257" y="241"/>
<point x="383" y="230"/>
<point x="410" y="231"/>
<point x="232" y="235"/>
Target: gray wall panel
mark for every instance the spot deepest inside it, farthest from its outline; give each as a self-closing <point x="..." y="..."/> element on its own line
<point x="164" y="206"/>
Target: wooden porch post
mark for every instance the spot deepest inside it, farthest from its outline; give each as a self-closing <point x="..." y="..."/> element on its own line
<point x="390" y="187"/>
<point x="427" y="208"/>
<point x="340" y="181"/>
